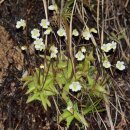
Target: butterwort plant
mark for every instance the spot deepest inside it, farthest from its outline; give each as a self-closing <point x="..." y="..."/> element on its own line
<point x="71" y="81"/>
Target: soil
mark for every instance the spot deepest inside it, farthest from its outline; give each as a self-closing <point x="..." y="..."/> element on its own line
<point x="9" y="54"/>
<point x="15" y="114"/>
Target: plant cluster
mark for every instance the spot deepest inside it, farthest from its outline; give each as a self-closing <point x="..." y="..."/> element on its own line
<point x="72" y="89"/>
<point x="57" y="77"/>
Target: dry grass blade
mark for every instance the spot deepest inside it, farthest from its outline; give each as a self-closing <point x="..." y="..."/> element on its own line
<point x="70" y="38"/>
<point x="1" y="1"/>
<point x="126" y="4"/>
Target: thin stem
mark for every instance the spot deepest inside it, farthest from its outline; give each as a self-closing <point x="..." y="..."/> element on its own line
<point x="46" y="14"/>
<point x="70" y="38"/>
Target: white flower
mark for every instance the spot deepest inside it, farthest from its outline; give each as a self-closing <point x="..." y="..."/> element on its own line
<point x="87" y="35"/>
<point x="53" y="7"/>
<point x="61" y="32"/>
<point x="106" y="47"/>
<point x="120" y="65"/>
<point x="75" y="86"/>
<point x="106" y="64"/>
<point x="44" y="23"/>
<point x="83" y="49"/>
<point x="42" y="66"/>
<point x="48" y="31"/>
<point x="53" y="55"/>
<point x="35" y="33"/>
<point x="79" y="56"/>
<point x="75" y="32"/>
<point x="54" y="51"/>
<point x="113" y="45"/>
<point x="39" y="45"/>
<point x="21" y="23"/>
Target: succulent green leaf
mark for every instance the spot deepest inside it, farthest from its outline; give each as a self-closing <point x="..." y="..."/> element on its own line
<point x="91" y="81"/>
<point x="101" y="89"/>
<point x="70" y="69"/>
<point x="49" y="80"/>
<point x="33" y="97"/>
<point x="69" y="120"/>
<point x="44" y="101"/>
<point x="31" y="87"/>
<point x="65" y="91"/>
<point x="80" y="118"/>
<point x="62" y="64"/>
<point x="90" y="57"/>
<point x="60" y="79"/>
<point x="64" y="115"/>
